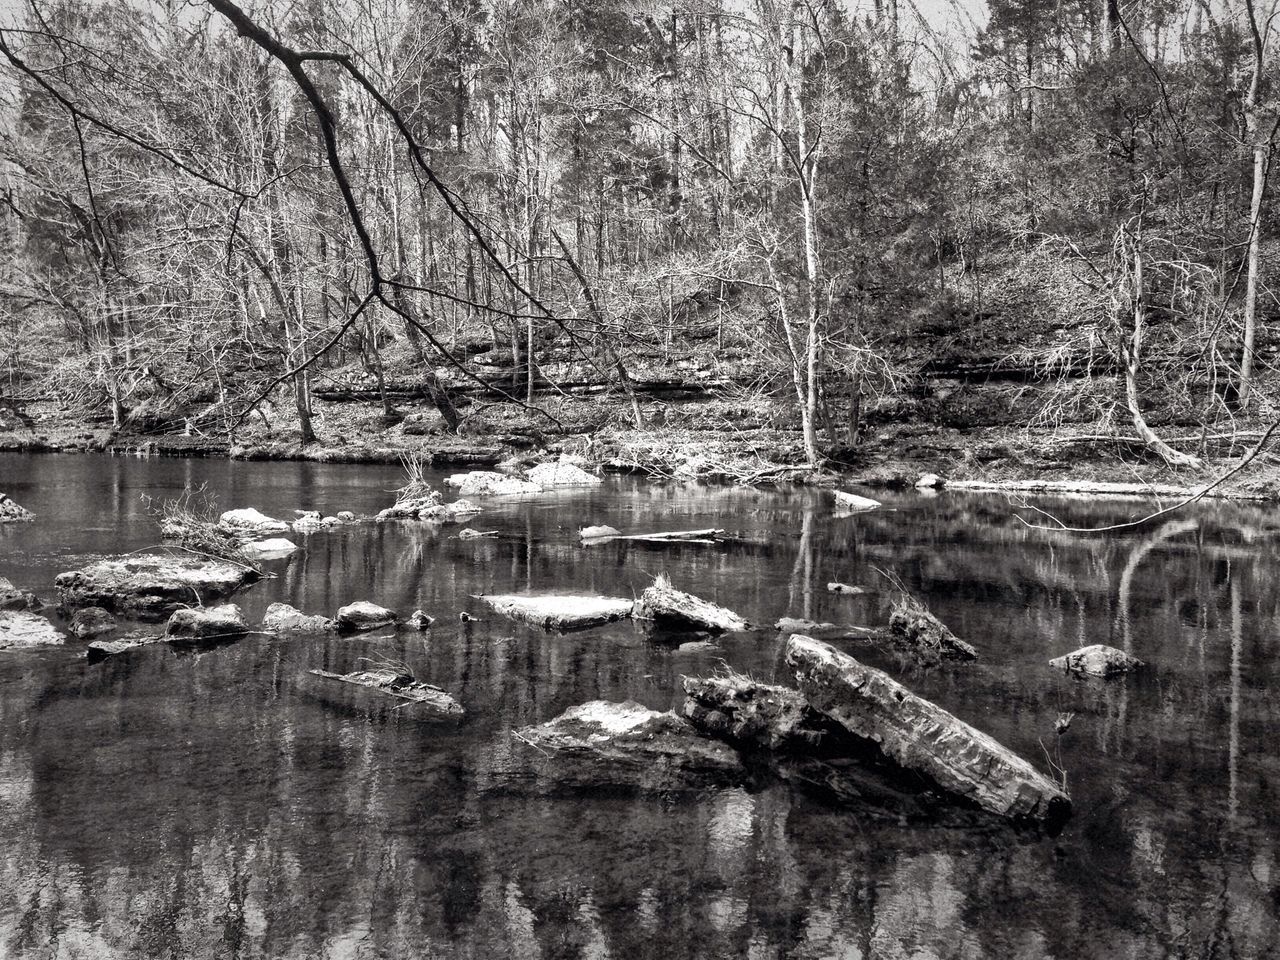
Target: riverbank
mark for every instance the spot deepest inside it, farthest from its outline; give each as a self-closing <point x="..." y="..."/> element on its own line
<point x="709" y="440"/>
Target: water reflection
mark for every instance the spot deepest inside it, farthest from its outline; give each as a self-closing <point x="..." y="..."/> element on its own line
<point x="205" y="804"/>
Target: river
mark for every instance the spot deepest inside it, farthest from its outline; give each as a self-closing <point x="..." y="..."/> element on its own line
<point x="203" y="804"/>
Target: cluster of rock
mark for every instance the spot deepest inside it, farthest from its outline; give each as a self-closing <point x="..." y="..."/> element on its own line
<point x="841" y="710"/>
<point x="256" y="533"/>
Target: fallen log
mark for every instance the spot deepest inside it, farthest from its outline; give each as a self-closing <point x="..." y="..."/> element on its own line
<point x="559" y="612"/>
<point x="923" y="737"/>
<point x="591" y="536"/>
<point x="666" y="605"/>
<point x="401" y="686"/>
<point x="827" y="631"/>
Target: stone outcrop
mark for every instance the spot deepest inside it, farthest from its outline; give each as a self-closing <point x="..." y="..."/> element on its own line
<point x="363" y="616"/>
<point x="668" y="606"/>
<point x="149" y="586"/>
<point x="223" y="622"/>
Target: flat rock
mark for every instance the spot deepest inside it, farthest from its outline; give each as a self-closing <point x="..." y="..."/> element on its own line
<point x="561" y="474"/>
<point x="852" y="501"/>
<point x="251" y="520"/>
<point x="484" y="483"/>
<point x="923" y="737"/>
<point x="664" y="604"/>
<point x="20" y="630"/>
<point x="149" y="586"/>
<point x="1097" y="660"/>
<point x="283" y="618"/>
<point x="222" y="622"/>
<point x="92" y="621"/>
<point x="560" y="612"/>
<point x="101" y="649"/>
<point x="603" y="743"/>
<point x="270" y="549"/>
<point x="362" y="615"/>
<point x="13" y="512"/>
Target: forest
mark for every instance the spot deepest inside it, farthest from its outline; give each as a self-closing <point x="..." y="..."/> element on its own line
<point x="804" y="227"/>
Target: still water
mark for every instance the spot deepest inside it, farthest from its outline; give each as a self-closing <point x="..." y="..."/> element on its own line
<point x="203" y="804"/>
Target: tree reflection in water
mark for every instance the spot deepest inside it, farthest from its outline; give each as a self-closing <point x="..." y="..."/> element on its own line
<point x="204" y="804"/>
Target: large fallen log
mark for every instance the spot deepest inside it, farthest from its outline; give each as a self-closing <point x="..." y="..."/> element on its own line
<point x="921" y="736"/>
<point x="666" y="605"/>
<point x="591" y="536"/>
<point x="561" y="612"/>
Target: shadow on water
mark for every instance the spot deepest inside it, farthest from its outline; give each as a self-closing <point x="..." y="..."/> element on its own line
<point x="201" y="803"/>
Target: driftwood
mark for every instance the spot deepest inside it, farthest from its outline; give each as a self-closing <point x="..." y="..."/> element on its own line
<point x="562" y="612"/>
<point x="921" y="736"/>
<point x="401" y="686"/>
<point x="827" y="631"/>
<point x="664" y="604"/>
<point x="592" y="535"/>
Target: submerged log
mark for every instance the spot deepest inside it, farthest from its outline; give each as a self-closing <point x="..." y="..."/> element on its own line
<point x="149" y="586"/>
<point x="401" y="686"/>
<point x="827" y="631"/>
<point x="1097" y="660"/>
<point x="915" y="628"/>
<point x="560" y="612"/>
<point x="626" y="744"/>
<point x="921" y="736"/>
<point x="591" y="536"/>
<point x="666" y="605"/>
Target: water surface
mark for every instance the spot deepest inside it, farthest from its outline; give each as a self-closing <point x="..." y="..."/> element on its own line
<point x="206" y="804"/>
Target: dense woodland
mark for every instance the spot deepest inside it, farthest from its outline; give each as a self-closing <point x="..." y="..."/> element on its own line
<point x="220" y="210"/>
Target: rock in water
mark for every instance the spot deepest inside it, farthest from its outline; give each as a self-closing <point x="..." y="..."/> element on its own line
<point x="91" y="621"/>
<point x="346" y="516"/>
<point x="929" y="481"/>
<point x="916" y="628"/>
<point x="283" y="618"/>
<point x="362" y="615"/>
<point x="599" y="533"/>
<point x="420" y="621"/>
<point x="22" y="631"/>
<point x="251" y="520"/>
<point x="13" y="512"/>
<point x="602" y="743"/>
<point x="149" y="587"/>
<point x="1097" y="660"/>
<point x="564" y="612"/>
<point x="851" y="501"/>
<point x="101" y="649"/>
<point x="561" y="474"/>
<point x="484" y="483"/>
<point x="665" y="604"/>
<point x="271" y="549"/>
<point x="223" y="622"/>
<point x="11" y="598"/>
<point x="923" y="737"/>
